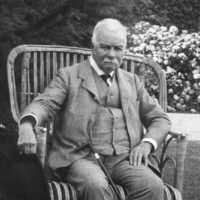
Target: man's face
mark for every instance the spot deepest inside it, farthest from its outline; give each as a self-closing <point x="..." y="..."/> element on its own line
<point x="109" y="50"/>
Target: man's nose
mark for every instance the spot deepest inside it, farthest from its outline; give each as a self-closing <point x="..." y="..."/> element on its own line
<point x="111" y="53"/>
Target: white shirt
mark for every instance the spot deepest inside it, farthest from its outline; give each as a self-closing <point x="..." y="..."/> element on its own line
<point x="99" y="71"/>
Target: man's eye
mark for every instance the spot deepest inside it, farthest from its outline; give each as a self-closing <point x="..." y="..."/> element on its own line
<point x="118" y="49"/>
<point x="105" y="47"/>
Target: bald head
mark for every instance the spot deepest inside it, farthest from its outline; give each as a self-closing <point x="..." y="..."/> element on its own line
<point x="110" y="25"/>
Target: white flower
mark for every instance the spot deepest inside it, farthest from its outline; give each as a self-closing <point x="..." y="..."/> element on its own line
<point x="173" y="30"/>
<point x="163" y="28"/>
<point x="183" y="56"/>
<point x="134" y="37"/>
<point x="195" y="72"/>
<point x="143" y="45"/>
<point x="166" y="62"/>
<point x="184" y="31"/>
<point x="170" y="70"/>
<point x="175" y="48"/>
<point x="188" y="37"/>
<point x="196" y="76"/>
<point x="176" y="97"/>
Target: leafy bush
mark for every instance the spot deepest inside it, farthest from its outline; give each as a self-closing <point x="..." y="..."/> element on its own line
<point x="178" y="53"/>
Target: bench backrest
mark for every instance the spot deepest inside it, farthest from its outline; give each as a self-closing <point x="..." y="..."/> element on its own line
<point x="39" y="64"/>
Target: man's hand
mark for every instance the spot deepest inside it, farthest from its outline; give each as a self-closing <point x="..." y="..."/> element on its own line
<point x="140" y="154"/>
<point x="27" y="141"/>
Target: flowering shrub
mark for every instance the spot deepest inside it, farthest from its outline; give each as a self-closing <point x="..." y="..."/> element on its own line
<point x="178" y="53"/>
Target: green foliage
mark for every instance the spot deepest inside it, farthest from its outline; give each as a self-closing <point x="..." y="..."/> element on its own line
<point x="182" y="13"/>
<point x="179" y="56"/>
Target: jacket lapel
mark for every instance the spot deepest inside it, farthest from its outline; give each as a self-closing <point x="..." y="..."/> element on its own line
<point x="124" y="81"/>
<point x="126" y="90"/>
<point x="86" y="74"/>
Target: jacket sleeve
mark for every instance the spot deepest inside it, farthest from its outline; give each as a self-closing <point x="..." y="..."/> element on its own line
<point x="50" y="101"/>
<point x="154" y="119"/>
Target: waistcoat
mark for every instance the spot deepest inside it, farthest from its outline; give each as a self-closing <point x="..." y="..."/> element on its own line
<point x="109" y="132"/>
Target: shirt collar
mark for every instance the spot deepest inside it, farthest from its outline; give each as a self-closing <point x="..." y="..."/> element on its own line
<point x="96" y="68"/>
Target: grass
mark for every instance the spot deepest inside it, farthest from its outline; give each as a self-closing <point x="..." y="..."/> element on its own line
<point x="191" y="185"/>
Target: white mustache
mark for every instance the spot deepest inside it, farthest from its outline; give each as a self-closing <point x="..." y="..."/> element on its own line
<point x="109" y="62"/>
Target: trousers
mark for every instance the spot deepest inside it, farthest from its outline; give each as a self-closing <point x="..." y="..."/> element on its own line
<point x="140" y="182"/>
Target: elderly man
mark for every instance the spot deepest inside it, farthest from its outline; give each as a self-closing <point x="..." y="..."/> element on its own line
<point x="98" y="102"/>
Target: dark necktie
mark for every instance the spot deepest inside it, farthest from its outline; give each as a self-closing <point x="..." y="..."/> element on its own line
<point x="105" y="77"/>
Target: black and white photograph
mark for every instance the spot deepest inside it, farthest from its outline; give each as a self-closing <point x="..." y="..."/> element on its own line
<point x="100" y="100"/>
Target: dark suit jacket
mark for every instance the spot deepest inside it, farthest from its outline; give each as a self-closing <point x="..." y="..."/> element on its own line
<point x="73" y="95"/>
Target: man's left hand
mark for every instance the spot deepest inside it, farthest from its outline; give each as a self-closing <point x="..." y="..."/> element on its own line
<point x="140" y="153"/>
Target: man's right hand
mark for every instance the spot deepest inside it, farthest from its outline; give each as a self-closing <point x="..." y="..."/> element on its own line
<point x="27" y="142"/>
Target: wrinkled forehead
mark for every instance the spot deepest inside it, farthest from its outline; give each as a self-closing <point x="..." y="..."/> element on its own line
<point x="115" y="38"/>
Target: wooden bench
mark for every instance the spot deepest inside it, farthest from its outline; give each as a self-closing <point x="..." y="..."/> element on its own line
<point x="31" y="67"/>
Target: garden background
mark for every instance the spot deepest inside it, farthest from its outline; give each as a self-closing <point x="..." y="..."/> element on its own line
<point x="166" y="30"/>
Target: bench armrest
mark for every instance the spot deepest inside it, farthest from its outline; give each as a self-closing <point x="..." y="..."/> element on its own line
<point x="41" y="137"/>
<point x="178" y="159"/>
